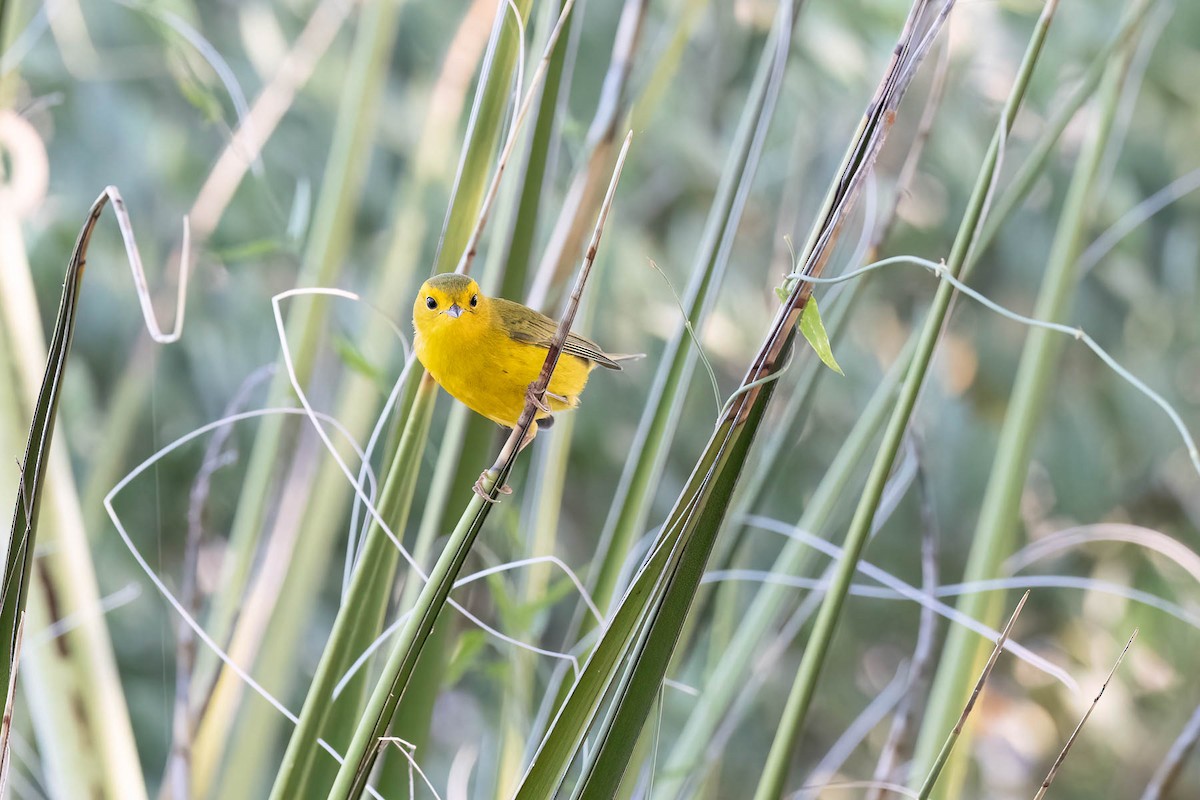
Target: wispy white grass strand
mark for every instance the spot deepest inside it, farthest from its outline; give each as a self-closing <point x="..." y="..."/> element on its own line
<point x="168" y="595"/>
<point x="1136" y="216"/>
<point x="1060" y="541"/>
<point x="916" y="595"/>
<point x="134" y="257"/>
<point x="959" y="589"/>
<point x="942" y="273"/>
<point x="876" y="711"/>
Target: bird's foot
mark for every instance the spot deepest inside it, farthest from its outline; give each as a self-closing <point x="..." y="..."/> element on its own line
<point x="539" y="401"/>
<point x="482" y="491"/>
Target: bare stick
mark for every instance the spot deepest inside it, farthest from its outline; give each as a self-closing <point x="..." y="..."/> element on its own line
<point x="537" y="390"/>
<point x="1067" y="747"/>
<point x="931" y="779"/>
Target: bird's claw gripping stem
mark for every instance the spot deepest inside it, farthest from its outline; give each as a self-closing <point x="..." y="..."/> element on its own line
<point x="482" y="491"/>
<point x="538" y="400"/>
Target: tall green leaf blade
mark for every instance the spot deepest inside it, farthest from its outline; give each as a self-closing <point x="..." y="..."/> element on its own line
<point x="700" y="526"/>
<point x="727" y="678"/>
<point x="631" y="505"/>
<point x="70" y="697"/>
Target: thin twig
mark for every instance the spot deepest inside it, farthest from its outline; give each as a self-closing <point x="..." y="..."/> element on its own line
<point x="1067" y="747"/>
<point x="936" y="770"/>
<point x="508" y="453"/>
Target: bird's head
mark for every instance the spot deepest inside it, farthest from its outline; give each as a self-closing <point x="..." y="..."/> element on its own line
<point x="445" y="298"/>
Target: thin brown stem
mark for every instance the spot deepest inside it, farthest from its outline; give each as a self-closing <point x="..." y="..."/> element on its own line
<point x="948" y="746"/>
<point x="216" y="456"/>
<point x="1067" y="747"/>
<point x="508" y="453"/>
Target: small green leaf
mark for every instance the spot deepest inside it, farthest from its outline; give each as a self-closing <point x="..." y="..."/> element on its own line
<point x="814" y="331"/>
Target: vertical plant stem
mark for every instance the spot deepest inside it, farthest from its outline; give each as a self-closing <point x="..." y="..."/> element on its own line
<point x="77" y="705"/>
<point x="360" y="615"/>
<point x="401" y="664"/>
<point x="996" y="530"/>
<point x="631" y="505"/>
<point x="687" y="756"/>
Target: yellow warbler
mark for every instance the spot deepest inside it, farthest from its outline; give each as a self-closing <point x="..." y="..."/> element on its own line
<point x="486" y="351"/>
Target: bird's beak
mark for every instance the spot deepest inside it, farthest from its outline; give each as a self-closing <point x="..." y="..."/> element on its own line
<point x="455" y="310"/>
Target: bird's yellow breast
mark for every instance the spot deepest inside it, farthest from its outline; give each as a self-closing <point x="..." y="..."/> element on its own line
<point x="475" y="360"/>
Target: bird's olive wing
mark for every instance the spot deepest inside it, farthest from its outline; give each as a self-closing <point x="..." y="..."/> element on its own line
<point x="523" y="324"/>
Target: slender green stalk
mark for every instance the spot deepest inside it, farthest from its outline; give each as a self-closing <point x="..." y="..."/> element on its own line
<point x="774" y="776"/>
<point x="996" y="529"/>
<point x="700" y="513"/>
<point x="640" y="639"/>
<point x="728" y="676"/>
<point x="627" y="626"/>
<point x="1034" y="165"/>
<point x="541" y="519"/>
<point x="466" y="438"/>
<point x="77" y="705"/>
<point x="364" y="749"/>
<point x="401" y="664"/>
<point x="467" y="433"/>
<point x="361" y="613"/>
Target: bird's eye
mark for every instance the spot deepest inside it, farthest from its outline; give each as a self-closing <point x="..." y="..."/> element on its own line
<point x="474" y="300"/>
<point x="430" y="303"/>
